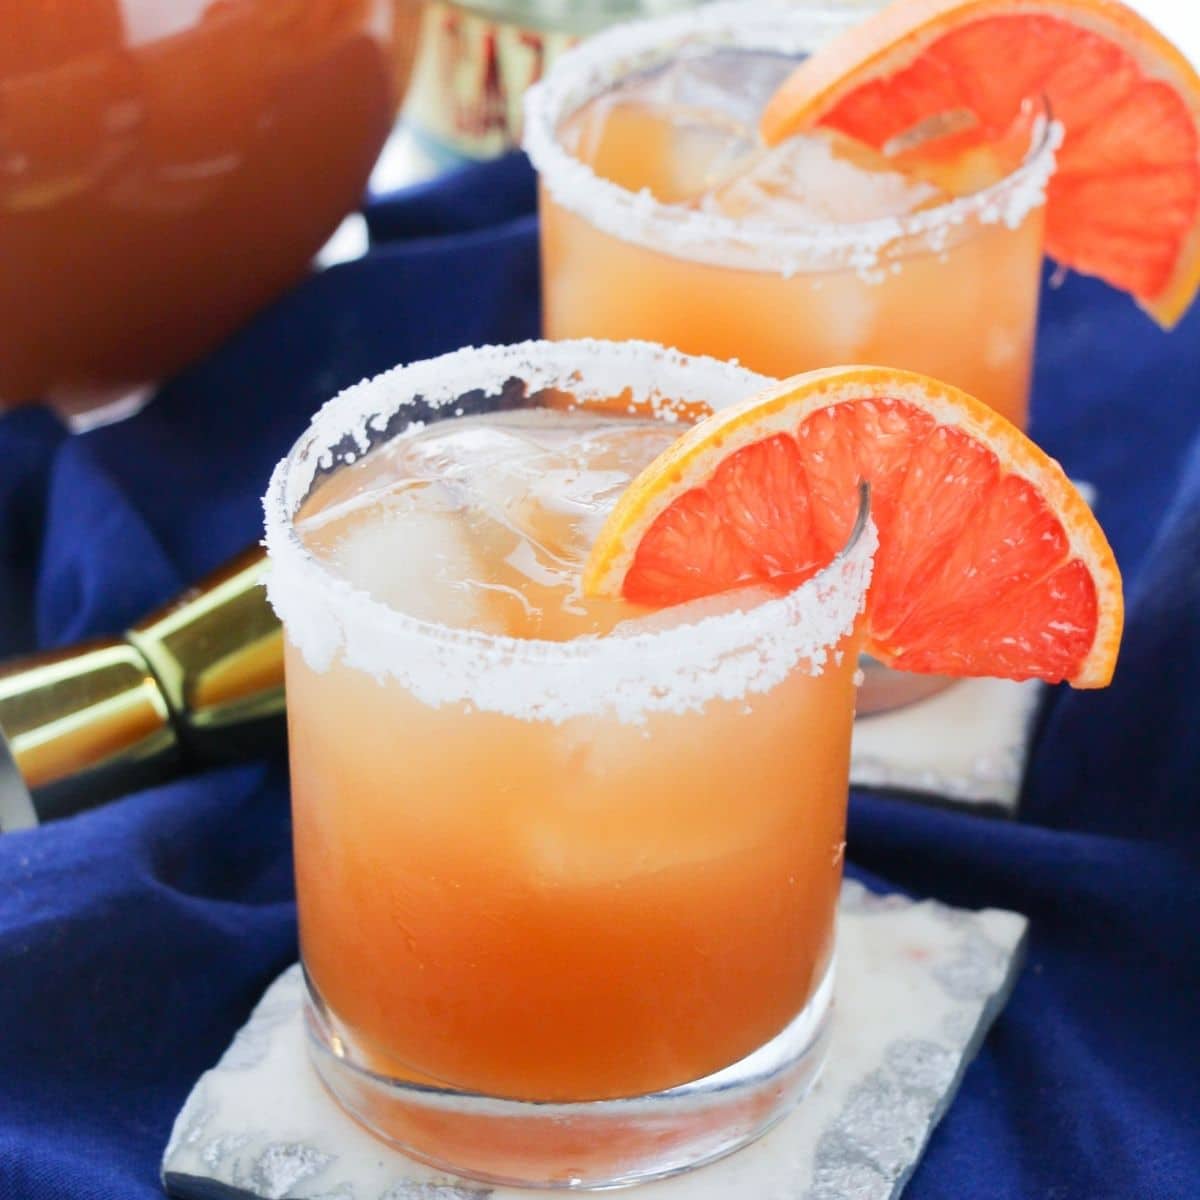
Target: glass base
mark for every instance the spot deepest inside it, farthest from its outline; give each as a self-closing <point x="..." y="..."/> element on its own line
<point x="582" y="1145"/>
<point x="884" y="689"/>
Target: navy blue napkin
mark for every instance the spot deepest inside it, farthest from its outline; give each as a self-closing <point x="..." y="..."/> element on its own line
<point x="135" y="939"/>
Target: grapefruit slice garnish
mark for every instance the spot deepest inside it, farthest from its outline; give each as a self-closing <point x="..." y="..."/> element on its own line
<point x="1124" y="202"/>
<point x="989" y="561"/>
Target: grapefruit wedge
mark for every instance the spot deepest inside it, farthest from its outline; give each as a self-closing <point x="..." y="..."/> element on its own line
<point x="1124" y="203"/>
<point x="989" y="561"/>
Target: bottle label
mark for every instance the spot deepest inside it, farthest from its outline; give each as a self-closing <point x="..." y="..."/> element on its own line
<point x="471" y="73"/>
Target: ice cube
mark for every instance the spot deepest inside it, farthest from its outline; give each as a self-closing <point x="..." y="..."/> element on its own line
<point x="674" y="154"/>
<point x="678" y="130"/>
<point x="547" y="477"/>
<point x="470" y="453"/>
<point x="820" y="178"/>
<point x="409" y="550"/>
<point x="568" y="502"/>
<point x="720" y="87"/>
<point x="953" y="151"/>
<point x="490" y="468"/>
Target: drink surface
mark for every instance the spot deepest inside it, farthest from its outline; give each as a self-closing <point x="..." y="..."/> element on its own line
<point x="532" y="909"/>
<point x="687" y="131"/>
<point x="485" y="522"/>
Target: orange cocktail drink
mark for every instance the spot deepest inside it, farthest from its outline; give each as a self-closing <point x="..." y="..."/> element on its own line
<point x="664" y="216"/>
<point x="551" y="848"/>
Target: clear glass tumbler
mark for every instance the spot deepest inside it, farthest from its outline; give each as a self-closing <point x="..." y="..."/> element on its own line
<point x="949" y="289"/>
<point x="566" y="907"/>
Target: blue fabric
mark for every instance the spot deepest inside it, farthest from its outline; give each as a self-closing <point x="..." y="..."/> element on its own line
<point x="136" y="938"/>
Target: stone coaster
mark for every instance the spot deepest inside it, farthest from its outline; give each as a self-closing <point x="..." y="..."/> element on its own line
<point x="966" y="745"/>
<point x="918" y="985"/>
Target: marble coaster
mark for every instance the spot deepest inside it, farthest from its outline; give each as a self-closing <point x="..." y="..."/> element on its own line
<point x="966" y="745"/>
<point x="918" y="985"/>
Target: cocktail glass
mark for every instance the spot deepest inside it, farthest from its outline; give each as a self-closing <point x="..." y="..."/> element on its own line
<point x="566" y="906"/>
<point x="690" y="234"/>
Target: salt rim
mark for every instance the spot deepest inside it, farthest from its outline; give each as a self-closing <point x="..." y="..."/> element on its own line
<point x="596" y="64"/>
<point x="678" y="670"/>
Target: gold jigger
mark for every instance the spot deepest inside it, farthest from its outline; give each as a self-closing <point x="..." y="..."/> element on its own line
<point x="196" y="683"/>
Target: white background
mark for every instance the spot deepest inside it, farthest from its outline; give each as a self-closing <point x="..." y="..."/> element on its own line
<point x="1178" y="19"/>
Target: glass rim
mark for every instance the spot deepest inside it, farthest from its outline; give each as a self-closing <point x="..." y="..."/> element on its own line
<point x="631" y="674"/>
<point x="592" y="66"/>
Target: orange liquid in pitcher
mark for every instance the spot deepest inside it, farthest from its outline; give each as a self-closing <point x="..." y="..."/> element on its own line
<point x="168" y="168"/>
<point x="686" y="133"/>
<point x="537" y="910"/>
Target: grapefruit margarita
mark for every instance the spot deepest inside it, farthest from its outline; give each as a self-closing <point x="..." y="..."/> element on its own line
<point x="664" y="216"/>
<point x="572" y="630"/>
<point x="539" y="833"/>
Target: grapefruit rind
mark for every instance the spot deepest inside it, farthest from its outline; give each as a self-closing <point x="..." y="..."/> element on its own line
<point x="897" y="36"/>
<point x="1169" y="306"/>
<point x="691" y="461"/>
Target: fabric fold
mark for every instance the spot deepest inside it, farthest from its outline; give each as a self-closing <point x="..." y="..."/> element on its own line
<point x="135" y="939"/>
